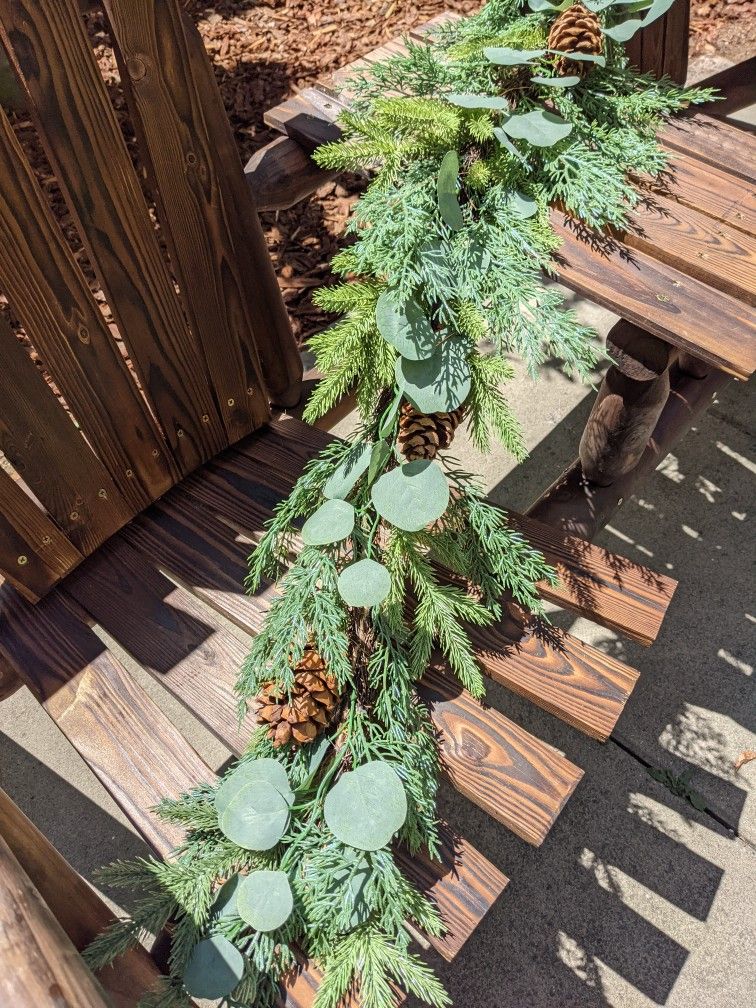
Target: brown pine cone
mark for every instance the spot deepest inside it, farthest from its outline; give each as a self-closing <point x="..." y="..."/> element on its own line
<point x="576" y="30"/>
<point x="300" y="715"/>
<point x="422" y="435"/>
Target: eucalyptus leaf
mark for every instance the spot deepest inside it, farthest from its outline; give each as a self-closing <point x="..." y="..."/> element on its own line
<point x="508" y="146"/>
<point x="448" y="204"/>
<point x="557" y="82"/>
<point x="475" y="101"/>
<point x="332" y="522"/>
<point x="546" y="5"/>
<point x="366" y="807"/>
<point x="315" y="756"/>
<point x="405" y="327"/>
<point x="265" y="900"/>
<point x="265" y="769"/>
<point x="364" y="584"/>
<point x="439" y="384"/>
<point x="379" y="456"/>
<point x="625" y="30"/>
<point x="215" y="968"/>
<point x="539" y="127"/>
<point x="343" y="478"/>
<point x="224" y="904"/>
<point x="579" y="57"/>
<point x="413" y="495"/>
<point x="387" y="424"/>
<point x="512" y="57"/>
<point x="256" y="818"/>
<point x="521" y="205"/>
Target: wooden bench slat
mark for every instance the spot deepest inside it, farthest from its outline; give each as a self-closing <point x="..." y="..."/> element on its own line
<point x="668" y="303"/>
<point x="710" y="191"/>
<point x="186" y="540"/>
<point x="713" y="142"/>
<point x="708" y="250"/>
<point x="186" y="647"/>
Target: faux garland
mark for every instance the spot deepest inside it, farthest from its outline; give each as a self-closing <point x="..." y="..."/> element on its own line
<point x="469" y="141"/>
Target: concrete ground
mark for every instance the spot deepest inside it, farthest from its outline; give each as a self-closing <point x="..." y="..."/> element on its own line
<point x="635" y="899"/>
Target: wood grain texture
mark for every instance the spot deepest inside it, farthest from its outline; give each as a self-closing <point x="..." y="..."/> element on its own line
<point x="698" y="246"/>
<point x="212" y="240"/>
<point x="281" y="174"/>
<point x="87" y="151"/>
<point x="668" y="303"/>
<point x="52" y="300"/>
<point x="74" y="904"/>
<point x="711" y="191"/>
<point x="39" y="967"/>
<point x="713" y="142"/>
<point x="9" y="681"/>
<point x="185" y="646"/>
<point x="181" y="536"/>
<point x="53" y="459"/>
<point x="516" y="778"/>
<point x="126" y="740"/>
<point x="34" y="553"/>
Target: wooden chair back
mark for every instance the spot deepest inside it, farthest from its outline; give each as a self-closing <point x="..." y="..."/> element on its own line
<point x="113" y="407"/>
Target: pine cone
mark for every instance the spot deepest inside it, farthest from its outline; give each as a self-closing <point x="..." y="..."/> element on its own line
<point x="576" y="30"/>
<point x="307" y="710"/>
<point x="421" y="435"/>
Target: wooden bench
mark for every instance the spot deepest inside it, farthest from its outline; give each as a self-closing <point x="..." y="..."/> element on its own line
<point x="138" y="518"/>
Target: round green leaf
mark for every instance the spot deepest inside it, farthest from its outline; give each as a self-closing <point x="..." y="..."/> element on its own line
<point x="365" y="583"/>
<point x="344" y="477"/>
<point x="476" y="101"/>
<point x="350" y="883"/>
<point x="215" y="968"/>
<point x="448" y="204"/>
<point x="439" y="384"/>
<point x="521" y="205"/>
<point x="412" y="496"/>
<point x="366" y="807"/>
<point x="256" y="818"/>
<point x="248" y="772"/>
<point x="265" y="900"/>
<point x="581" y="57"/>
<point x="557" y="82"/>
<point x="512" y="57"/>
<point x="539" y="127"/>
<point x="405" y="327"/>
<point x="224" y="904"/>
<point x="508" y="146"/>
<point x="332" y="522"/>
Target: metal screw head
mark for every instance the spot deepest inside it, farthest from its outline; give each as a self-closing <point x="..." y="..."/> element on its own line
<point x="74" y="516"/>
<point x="250" y="391"/>
<point x="231" y="402"/>
<point x="102" y="494"/>
<point x="136" y="67"/>
<point x="155" y="453"/>
<point x="662" y="297"/>
<point x="191" y="159"/>
<point x="129" y="473"/>
<point x="79" y="501"/>
<point x="23" y="560"/>
<point x="179" y="433"/>
<point x="83" y="334"/>
<point x="46" y="540"/>
<point x="205" y="418"/>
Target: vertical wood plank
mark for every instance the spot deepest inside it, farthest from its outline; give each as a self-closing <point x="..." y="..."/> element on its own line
<point x="70" y="106"/>
<point x="51" y="456"/>
<point x="662" y="48"/>
<point x="217" y="244"/>
<point x="51" y="298"/>
<point x="34" y="553"/>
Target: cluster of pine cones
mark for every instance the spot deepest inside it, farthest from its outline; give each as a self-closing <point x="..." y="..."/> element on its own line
<point x="300" y="715"/>
<point x="576" y="30"/>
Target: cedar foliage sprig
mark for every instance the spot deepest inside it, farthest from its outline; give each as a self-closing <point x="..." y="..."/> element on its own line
<point x="479" y="282"/>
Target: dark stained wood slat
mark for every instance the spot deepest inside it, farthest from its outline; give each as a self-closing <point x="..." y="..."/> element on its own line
<point x="127" y="741"/>
<point x="715" y="143"/>
<point x="700" y="247"/>
<point x="199" y="206"/>
<point x="677" y="308"/>
<point x="50" y="455"/>
<point x="609" y="589"/>
<point x="51" y="298"/>
<point x="182" y="537"/>
<point x="34" y="553"/>
<point x="717" y="194"/>
<point x="186" y="647"/>
<point x="86" y="148"/>
<point x="75" y="904"/>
